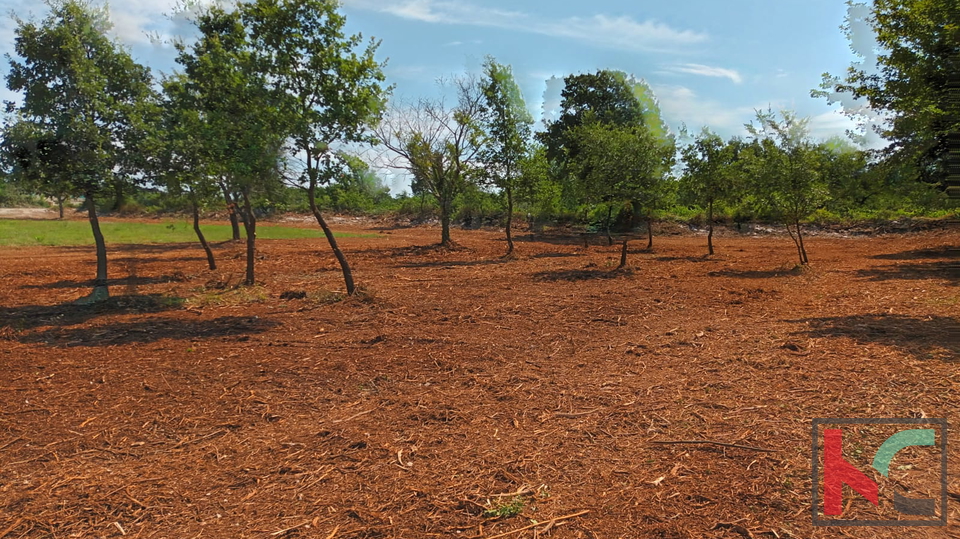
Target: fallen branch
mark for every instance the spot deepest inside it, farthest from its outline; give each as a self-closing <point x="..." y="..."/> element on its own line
<point x="547" y="523"/>
<point x="10" y="528"/>
<point x="575" y="414"/>
<point x="711" y="442"/>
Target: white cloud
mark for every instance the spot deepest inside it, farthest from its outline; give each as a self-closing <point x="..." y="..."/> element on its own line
<point x="622" y="33"/>
<point x="707" y="71"/>
<point x="680" y="104"/>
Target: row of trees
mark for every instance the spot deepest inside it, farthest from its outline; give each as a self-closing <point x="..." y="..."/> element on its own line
<point x="272" y="94"/>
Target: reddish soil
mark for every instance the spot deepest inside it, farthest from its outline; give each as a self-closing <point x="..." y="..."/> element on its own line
<point x="464" y="387"/>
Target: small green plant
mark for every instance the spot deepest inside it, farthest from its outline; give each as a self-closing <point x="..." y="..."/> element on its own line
<point x="505" y="509"/>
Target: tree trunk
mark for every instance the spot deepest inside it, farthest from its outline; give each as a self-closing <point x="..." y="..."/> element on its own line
<point x="344" y="265"/>
<point x="609" y="214"/>
<point x="623" y="256"/>
<point x="100" y="289"/>
<point x="232" y="209"/>
<point x="250" y="226"/>
<point x="445" y="240"/>
<point x="803" y="249"/>
<point x="796" y="242"/>
<point x="117" y="195"/>
<point x="649" y="232"/>
<point x="710" y="227"/>
<point x="509" y="221"/>
<point x="196" y="228"/>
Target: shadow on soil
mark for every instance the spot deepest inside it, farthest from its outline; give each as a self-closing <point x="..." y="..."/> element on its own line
<point x="127" y="281"/>
<point x="69" y="314"/>
<point x="922" y="337"/>
<point x="448" y="263"/>
<point x="147" y="330"/>
<point x="947" y="271"/>
<point x="940" y="252"/>
<point x="755" y="274"/>
<point x="581" y="274"/>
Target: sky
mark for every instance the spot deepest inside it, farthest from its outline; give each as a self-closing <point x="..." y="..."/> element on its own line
<point x="710" y="63"/>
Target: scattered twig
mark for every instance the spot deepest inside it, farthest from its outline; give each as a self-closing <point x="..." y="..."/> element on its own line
<point x="550" y="522"/>
<point x="354" y="416"/>
<point x="711" y="442"/>
<point x="202" y="438"/>
<point x="575" y="414"/>
<point x="8" y="444"/>
<point x="10" y="528"/>
<point x="334" y="532"/>
<point x="291" y="528"/>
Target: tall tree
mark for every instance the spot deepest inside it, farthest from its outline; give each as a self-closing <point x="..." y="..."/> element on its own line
<point x="914" y="80"/>
<point x="438" y="145"/>
<point x="507" y="124"/>
<point x="85" y="104"/>
<point x="244" y="126"/>
<point x="708" y="177"/>
<point x="784" y="165"/>
<point x="331" y="93"/>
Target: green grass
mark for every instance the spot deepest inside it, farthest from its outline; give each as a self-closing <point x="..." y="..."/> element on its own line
<point x="25" y="233"/>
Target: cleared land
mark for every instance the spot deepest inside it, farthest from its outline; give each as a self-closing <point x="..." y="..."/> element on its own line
<point x="466" y="395"/>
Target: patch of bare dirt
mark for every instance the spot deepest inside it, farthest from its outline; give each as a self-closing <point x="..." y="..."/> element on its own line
<point x="464" y="395"/>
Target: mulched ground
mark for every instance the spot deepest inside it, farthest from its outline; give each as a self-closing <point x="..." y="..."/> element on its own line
<point x="465" y="395"/>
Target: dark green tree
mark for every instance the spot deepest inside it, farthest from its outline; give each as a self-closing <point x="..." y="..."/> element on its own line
<point x="709" y="176"/>
<point x="85" y="107"/>
<point x="916" y="83"/>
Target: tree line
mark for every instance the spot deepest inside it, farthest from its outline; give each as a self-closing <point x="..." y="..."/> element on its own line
<point x="273" y="95"/>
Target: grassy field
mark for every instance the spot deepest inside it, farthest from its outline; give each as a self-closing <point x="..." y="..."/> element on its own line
<point x="23" y="232"/>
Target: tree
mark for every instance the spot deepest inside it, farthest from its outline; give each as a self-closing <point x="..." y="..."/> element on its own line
<point x="783" y="163"/>
<point x="244" y="127"/>
<point x="507" y="124"/>
<point x="438" y="146"/>
<point x="708" y="177"/>
<point x="916" y="84"/>
<point x="330" y="93"/>
<point x="85" y="104"/>
<point x="619" y="164"/>
<point x="183" y="164"/>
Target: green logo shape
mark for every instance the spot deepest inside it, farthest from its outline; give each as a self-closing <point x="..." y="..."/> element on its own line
<point x="900" y="440"/>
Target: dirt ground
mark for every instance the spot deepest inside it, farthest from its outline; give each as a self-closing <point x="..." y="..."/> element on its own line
<point x="466" y="395"/>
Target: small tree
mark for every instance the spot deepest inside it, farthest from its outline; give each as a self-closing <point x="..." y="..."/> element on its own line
<point x="437" y="146"/>
<point x="708" y="177"/>
<point x="783" y="163"/>
<point x="620" y="164"/>
<point x="329" y="93"/>
<point x="507" y="124"/>
<point x="83" y="113"/>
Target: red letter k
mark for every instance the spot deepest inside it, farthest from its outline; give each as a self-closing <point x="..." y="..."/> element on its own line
<point x="837" y="471"/>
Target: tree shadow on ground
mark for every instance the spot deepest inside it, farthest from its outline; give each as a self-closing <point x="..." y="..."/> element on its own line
<point x="128" y="281"/>
<point x="555" y="255"/>
<point x="938" y="252"/>
<point x="152" y="329"/>
<point x="755" y="274"/>
<point x="581" y="274"/>
<point x="69" y="314"/>
<point x="924" y="338"/>
<point x="946" y="271"/>
<point x="449" y="263"/>
<point x="702" y="258"/>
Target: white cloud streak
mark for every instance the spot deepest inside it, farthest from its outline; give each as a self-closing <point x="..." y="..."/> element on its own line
<point x="620" y="33"/>
<point x="706" y="71"/>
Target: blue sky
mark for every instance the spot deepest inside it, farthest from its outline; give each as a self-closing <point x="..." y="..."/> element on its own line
<point x="709" y="62"/>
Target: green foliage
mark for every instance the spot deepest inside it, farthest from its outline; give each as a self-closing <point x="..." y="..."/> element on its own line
<point x="85" y="104"/>
<point x="917" y="83"/>
<point x="503" y="509"/>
